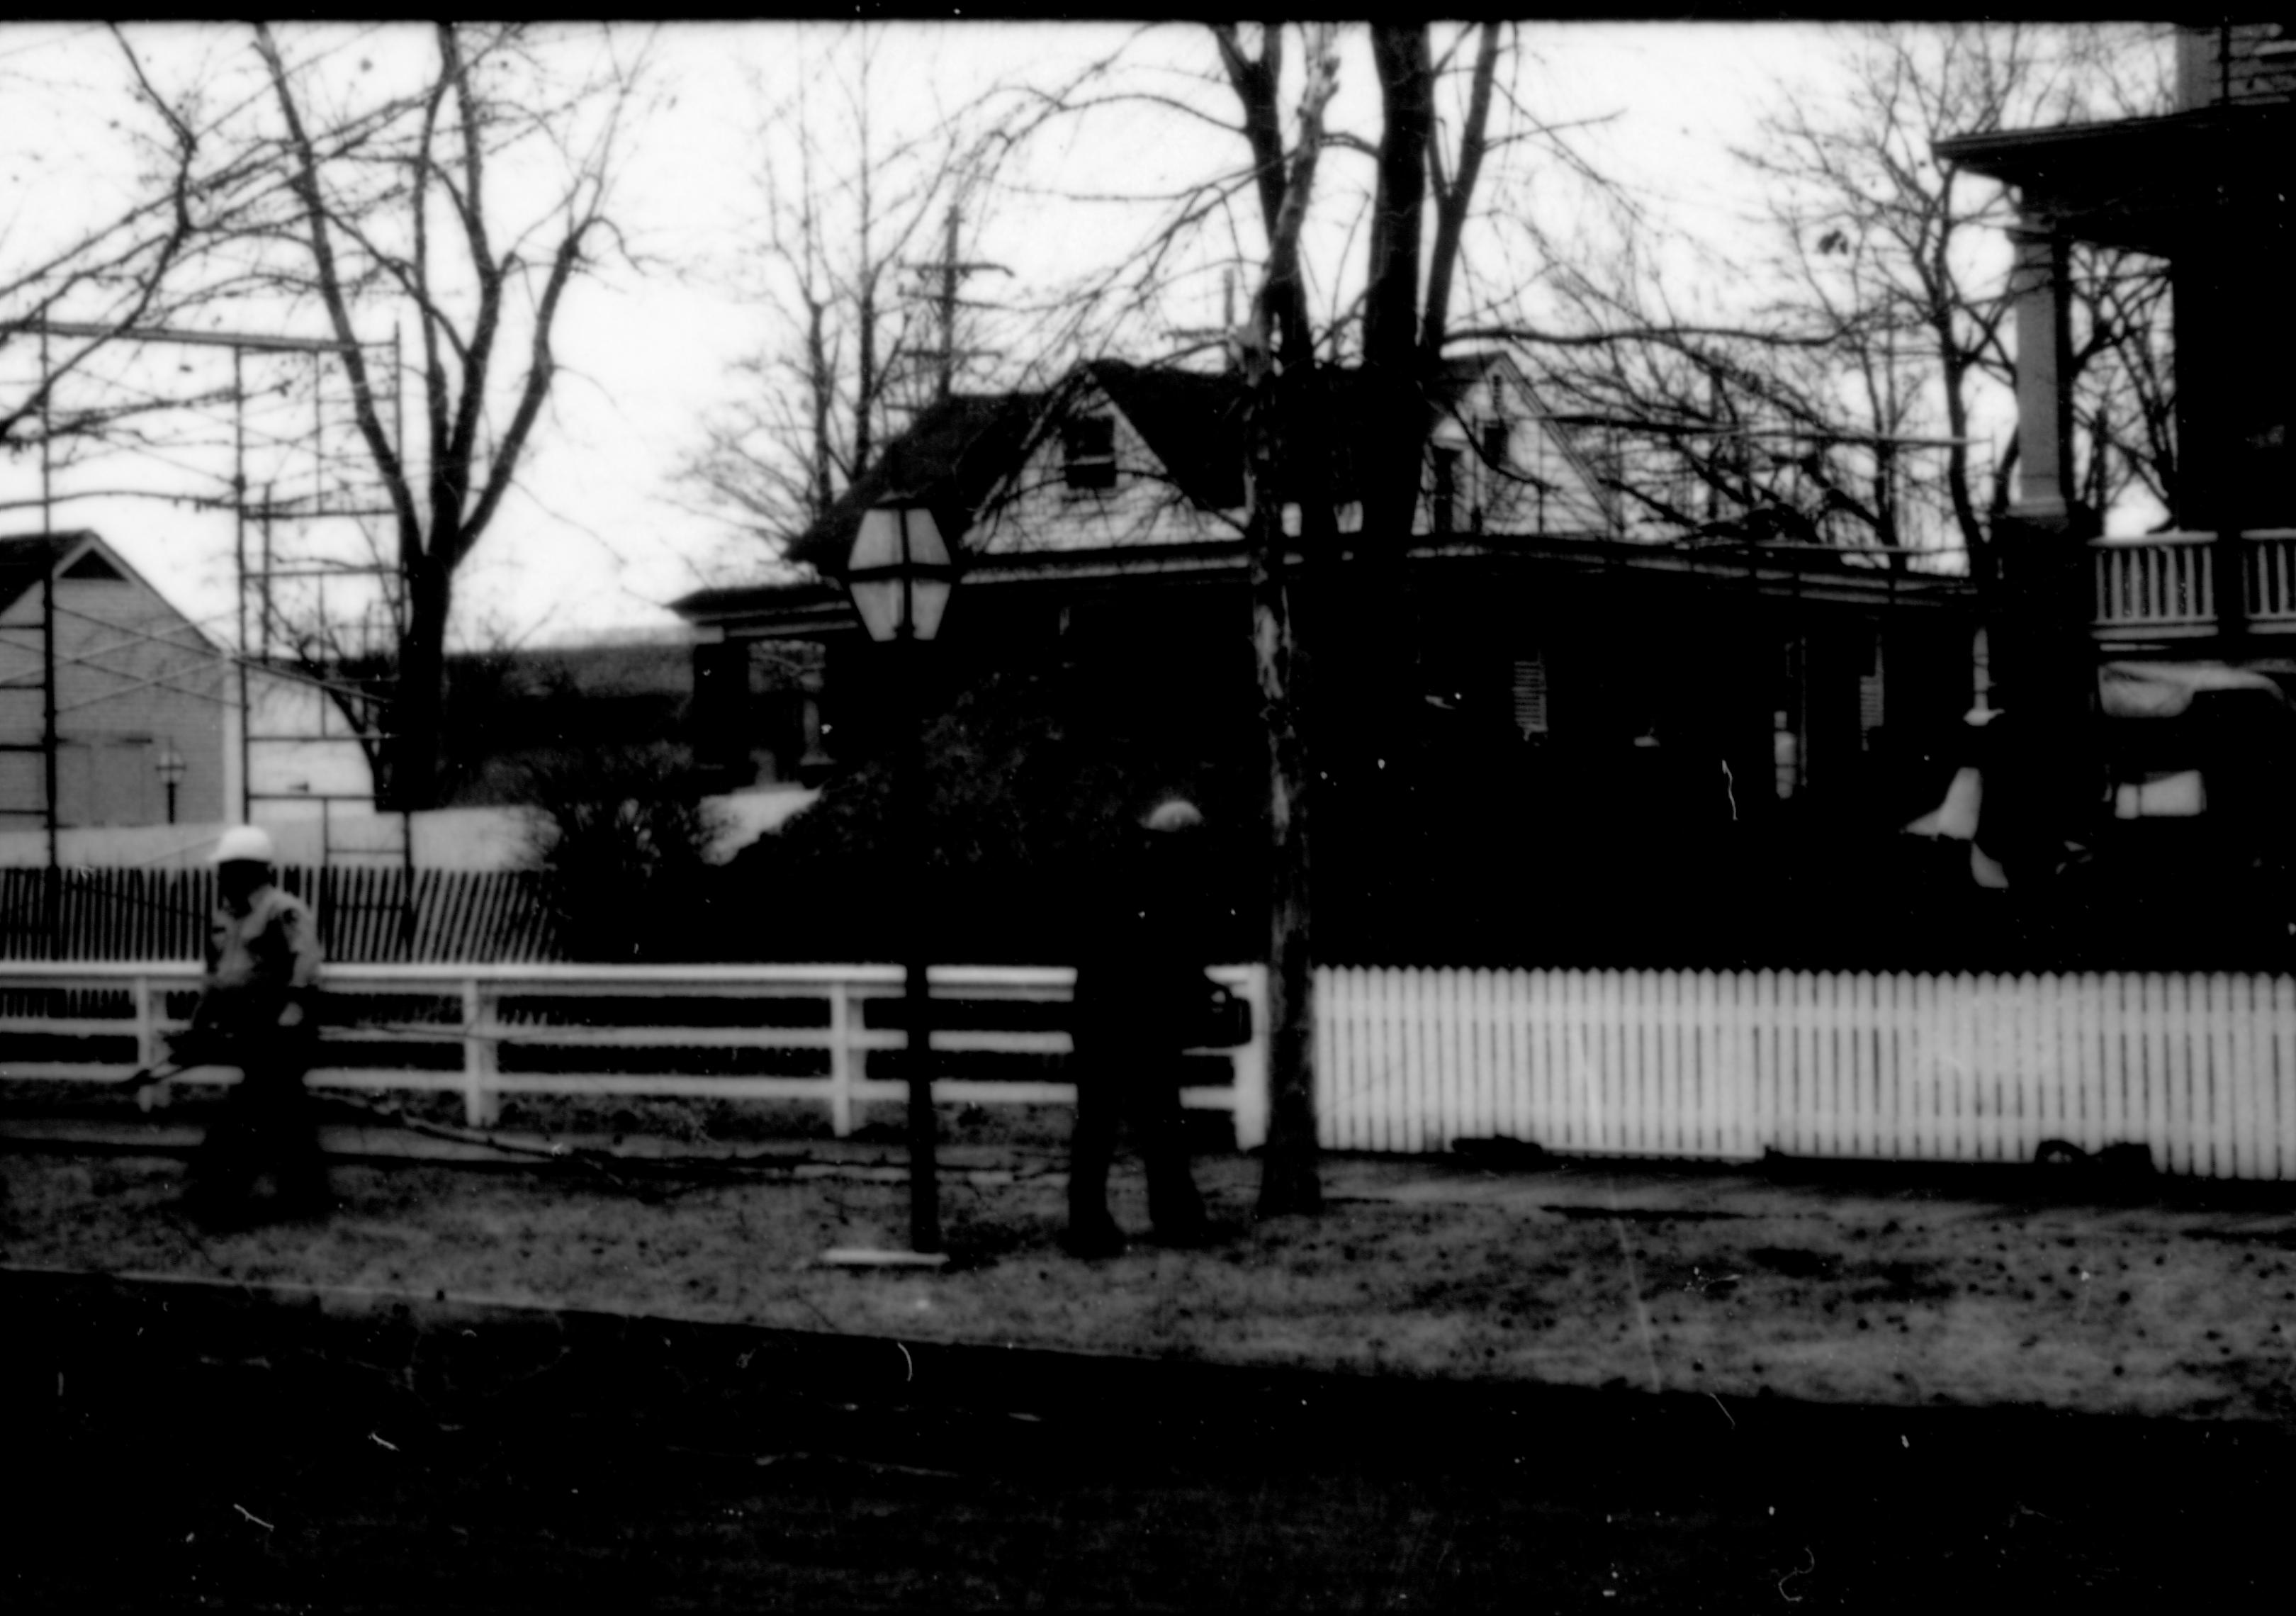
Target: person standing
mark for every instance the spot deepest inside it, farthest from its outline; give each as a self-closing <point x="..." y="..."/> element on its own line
<point x="1141" y="990"/>
<point x="257" y="1011"/>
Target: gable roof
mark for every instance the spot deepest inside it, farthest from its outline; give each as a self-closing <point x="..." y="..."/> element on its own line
<point x="950" y="457"/>
<point x="959" y="449"/>
<point x="1193" y="421"/>
<point x="28" y="558"/>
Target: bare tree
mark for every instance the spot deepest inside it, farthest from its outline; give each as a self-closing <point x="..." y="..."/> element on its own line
<point x="1280" y="359"/>
<point x="1359" y="274"/>
<point x="67" y="302"/>
<point x="867" y="325"/>
<point x="469" y="201"/>
<point x="1854" y="402"/>
<point x="1298" y="425"/>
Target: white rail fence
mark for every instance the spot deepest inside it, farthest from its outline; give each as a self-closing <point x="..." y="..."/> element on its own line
<point x="1712" y="1065"/>
<point x="1721" y="1065"/>
<point x="725" y="1032"/>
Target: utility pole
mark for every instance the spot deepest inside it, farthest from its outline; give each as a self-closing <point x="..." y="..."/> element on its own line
<point x="949" y="272"/>
<point x="52" y="883"/>
<point x="1226" y="335"/>
<point x="948" y="279"/>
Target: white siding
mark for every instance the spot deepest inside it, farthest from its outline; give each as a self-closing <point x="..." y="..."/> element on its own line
<point x="1541" y="488"/>
<point x="131" y="676"/>
<point x="1036" y="510"/>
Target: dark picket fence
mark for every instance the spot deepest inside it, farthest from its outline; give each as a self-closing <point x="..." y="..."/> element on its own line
<point x="365" y="917"/>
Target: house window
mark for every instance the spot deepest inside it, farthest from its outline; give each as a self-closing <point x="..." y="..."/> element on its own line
<point x="1785" y="752"/>
<point x="1088" y="453"/>
<point x="1496" y="442"/>
<point x="1446" y="490"/>
<point x="1871" y="705"/>
<point x="1531" y="694"/>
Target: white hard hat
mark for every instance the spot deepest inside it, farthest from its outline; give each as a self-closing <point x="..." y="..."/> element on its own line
<point x="244" y="844"/>
<point x="1172" y="813"/>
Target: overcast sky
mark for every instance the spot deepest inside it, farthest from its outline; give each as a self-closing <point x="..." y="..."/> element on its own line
<point x="603" y="535"/>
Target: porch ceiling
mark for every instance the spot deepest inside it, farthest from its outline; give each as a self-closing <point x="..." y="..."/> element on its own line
<point x="2148" y="184"/>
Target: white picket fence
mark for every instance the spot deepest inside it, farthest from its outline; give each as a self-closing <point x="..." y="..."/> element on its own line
<point x="488" y="1031"/>
<point x="1722" y="1065"/>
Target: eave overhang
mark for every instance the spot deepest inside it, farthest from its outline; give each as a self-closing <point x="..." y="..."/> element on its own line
<point x="821" y="611"/>
<point x="2151" y="184"/>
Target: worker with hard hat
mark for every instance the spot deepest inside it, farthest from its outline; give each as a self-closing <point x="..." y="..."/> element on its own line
<point x="257" y="1011"/>
<point x="1141" y="999"/>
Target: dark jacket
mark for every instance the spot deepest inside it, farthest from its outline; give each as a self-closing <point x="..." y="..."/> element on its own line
<point x="1140" y="965"/>
<point x="260" y="965"/>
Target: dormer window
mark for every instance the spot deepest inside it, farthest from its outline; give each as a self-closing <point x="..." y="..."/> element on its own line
<point x="1495" y="438"/>
<point x="1088" y="453"/>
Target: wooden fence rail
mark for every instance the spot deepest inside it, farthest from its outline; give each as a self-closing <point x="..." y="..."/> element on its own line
<point x="811" y="1033"/>
<point x="1722" y="1065"/>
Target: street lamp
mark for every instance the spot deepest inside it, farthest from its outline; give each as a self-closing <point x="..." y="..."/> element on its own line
<point x="170" y="766"/>
<point x="900" y="576"/>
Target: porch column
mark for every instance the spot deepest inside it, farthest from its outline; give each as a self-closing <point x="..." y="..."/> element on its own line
<point x="2045" y="421"/>
<point x="2041" y="659"/>
<point x="814" y="760"/>
<point x="2224" y="347"/>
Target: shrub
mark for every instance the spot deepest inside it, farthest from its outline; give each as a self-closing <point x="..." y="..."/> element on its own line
<point x="623" y="846"/>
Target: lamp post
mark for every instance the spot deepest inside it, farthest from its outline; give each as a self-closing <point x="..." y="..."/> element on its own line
<point x="170" y="766"/>
<point x="900" y="576"/>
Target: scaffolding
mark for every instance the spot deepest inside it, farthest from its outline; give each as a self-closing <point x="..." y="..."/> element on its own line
<point x="311" y="674"/>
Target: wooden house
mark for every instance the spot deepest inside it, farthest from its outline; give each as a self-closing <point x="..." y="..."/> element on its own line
<point x="1103" y="521"/>
<point x="2166" y="656"/>
<point x="1540" y="674"/>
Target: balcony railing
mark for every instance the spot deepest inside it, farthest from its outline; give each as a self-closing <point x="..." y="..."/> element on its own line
<point x="2163" y="585"/>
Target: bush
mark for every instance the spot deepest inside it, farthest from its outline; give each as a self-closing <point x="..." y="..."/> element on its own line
<point x="624" y="847"/>
<point x="1030" y="789"/>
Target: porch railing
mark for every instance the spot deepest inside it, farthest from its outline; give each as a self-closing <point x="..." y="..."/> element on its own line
<point x="2163" y="585"/>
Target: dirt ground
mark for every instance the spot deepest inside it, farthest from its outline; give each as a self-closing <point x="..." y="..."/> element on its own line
<point x="2058" y="1291"/>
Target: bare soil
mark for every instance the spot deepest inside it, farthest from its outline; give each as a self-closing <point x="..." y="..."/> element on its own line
<point x="2053" y="1290"/>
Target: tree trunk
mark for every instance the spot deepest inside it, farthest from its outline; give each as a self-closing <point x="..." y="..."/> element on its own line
<point x="1289" y="1181"/>
<point x="1284" y="459"/>
<point x="1395" y="386"/>
<point x="1374" y="666"/>
<point x="418" y="710"/>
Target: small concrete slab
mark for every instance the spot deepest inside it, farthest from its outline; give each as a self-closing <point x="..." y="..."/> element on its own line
<point x="871" y="1257"/>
